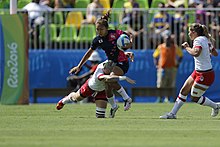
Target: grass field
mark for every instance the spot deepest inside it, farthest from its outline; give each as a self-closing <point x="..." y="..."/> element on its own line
<point x="76" y="126"/>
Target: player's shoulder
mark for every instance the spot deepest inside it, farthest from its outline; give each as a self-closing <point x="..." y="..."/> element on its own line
<point x="201" y="39"/>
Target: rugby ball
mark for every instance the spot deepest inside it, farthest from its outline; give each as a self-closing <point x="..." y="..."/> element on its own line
<point x="122" y="41"/>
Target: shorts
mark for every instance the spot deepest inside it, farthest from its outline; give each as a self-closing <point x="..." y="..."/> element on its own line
<point x="204" y="78"/>
<point x="86" y="91"/>
<point x="124" y="66"/>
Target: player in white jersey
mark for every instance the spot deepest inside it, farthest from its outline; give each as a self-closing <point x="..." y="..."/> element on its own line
<point x="203" y="76"/>
<point x="95" y="86"/>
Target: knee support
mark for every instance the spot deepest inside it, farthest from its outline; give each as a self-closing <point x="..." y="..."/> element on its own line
<point x="100" y="112"/>
<point x="196" y="92"/>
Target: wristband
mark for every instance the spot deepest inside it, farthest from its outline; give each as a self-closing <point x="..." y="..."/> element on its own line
<point x="121" y="78"/>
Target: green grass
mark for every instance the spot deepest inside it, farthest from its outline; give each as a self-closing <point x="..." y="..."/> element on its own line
<point x="76" y="126"/>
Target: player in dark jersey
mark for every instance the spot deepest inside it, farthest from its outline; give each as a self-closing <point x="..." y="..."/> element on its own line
<point x="107" y="40"/>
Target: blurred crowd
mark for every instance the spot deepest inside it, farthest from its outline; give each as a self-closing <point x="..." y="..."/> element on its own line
<point x="135" y="17"/>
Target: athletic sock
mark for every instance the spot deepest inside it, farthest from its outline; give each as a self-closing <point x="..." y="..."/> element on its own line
<point x="207" y="102"/>
<point x="123" y="93"/>
<point x="112" y="102"/>
<point x="66" y="100"/>
<point x="178" y="104"/>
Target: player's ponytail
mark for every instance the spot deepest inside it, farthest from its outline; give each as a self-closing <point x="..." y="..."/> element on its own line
<point x="104" y="19"/>
<point x="207" y="34"/>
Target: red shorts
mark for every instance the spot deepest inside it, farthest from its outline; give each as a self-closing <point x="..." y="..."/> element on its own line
<point x="204" y="78"/>
<point x="86" y="91"/>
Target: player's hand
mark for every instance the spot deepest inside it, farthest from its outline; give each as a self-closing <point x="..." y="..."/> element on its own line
<point x="130" y="80"/>
<point x="130" y="55"/>
<point x="185" y="44"/>
<point x="75" y="70"/>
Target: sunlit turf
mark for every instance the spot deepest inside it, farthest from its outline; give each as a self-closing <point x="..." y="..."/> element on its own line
<point x="76" y="126"/>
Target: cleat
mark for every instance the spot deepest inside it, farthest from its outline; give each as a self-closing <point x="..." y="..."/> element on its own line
<point x="168" y="116"/>
<point x="127" y="104"/>
<point x="113" y="111"/>
<point x="60" y="105"/>
<point x="215" y="111"/>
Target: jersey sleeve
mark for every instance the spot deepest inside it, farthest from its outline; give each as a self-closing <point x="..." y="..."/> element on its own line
<point x="95" y="44"/>
<point x="197" y="43"/>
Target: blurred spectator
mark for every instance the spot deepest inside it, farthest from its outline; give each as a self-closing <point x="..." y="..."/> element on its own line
<point x="174" y="3"/>
<point x="93" y="11"/>
<point x="179" y="26"/>
<point x="135" y="27"/>
<point x="159" y="25"/>
<point x="167" y="58"/>
<point x="200" y="14"/>
<point x="75" y="82"/>
<point x="64" y="4"/>
<point x="128" y="9"/>
<point x="194" y="3"/>
<point x="36" y="12"/>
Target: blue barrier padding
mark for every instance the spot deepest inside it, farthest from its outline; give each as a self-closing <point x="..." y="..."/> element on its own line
<point x="49" y="69"/>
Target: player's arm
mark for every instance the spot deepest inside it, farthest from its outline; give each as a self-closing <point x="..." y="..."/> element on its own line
<point x="130" y="55"/>
<point x="214" y="52"/>
<point x="77" y="68"/>
<point x="114" y="78"/>
<point x="195" y="51"/>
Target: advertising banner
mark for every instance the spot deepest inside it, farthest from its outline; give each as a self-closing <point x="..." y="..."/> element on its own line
<point x="14" y="59"/>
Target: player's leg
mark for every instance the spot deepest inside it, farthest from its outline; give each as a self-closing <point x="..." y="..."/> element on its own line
<point x="101" y="104"/>
<point x="82" y="93"/>
<point x="202" y="82"/>
<point x="111" y="99"/>
<point x="119" y="70"/>
<point x="72" y="97"/>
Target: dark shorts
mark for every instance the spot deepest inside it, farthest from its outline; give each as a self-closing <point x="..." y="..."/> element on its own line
<point x="124" y="66"/>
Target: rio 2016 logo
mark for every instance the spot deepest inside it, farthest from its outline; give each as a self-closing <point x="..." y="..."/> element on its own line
<point x="12" y="63"/>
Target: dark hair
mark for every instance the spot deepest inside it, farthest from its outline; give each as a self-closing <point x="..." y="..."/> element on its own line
<point x="201" y="30"/>
<point x="104" y="19"/>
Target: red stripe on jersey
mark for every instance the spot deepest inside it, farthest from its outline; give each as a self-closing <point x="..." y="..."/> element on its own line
<point x="199" y="47"/>
<point x="99" y="76"/>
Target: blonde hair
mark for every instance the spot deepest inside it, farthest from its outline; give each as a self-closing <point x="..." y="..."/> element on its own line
<point x="201" y="30"/>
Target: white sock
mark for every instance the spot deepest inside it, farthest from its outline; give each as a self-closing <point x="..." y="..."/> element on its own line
<point x="123" y="93"/>
<point x="178" y="104"/>
<point x="66" y="100"/>
<point x="206" y="102"/>
<point x="112" y="102"/>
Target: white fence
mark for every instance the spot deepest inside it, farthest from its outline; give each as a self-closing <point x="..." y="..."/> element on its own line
<point x="65" y="28"/>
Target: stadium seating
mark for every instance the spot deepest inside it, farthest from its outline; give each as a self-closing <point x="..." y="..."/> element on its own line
<point x="74" y="18"/>
<point x="118" y="3"/>
<point x="52" y="29"/>
<point x="155" y="3"/>
<point x="22" y="3"/>
<point x="143" y="4"/>
<point x="115" y="17"/>
<point x="5" y="4"/>
<point x="58" y="18"/>
<point x="123" y="27"/>
<point x="67" y="33"/>
<point x="105" y="4"/>
<point x="82" y="4"/>
<point x="86" y="33"/>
